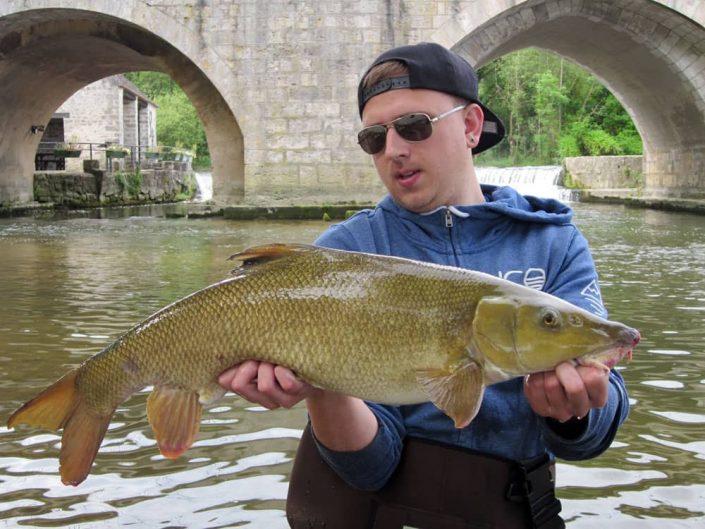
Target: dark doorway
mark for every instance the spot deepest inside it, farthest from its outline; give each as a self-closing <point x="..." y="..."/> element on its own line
<point x="45" y="159"/>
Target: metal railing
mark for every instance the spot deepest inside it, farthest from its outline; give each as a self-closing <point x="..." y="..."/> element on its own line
<point x="122" y="156"/>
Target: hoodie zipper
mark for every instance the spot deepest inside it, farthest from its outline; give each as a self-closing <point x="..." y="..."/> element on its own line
<point x="449" y="227"/>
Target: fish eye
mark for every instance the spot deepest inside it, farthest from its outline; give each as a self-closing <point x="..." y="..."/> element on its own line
<point x="550" y="318"/>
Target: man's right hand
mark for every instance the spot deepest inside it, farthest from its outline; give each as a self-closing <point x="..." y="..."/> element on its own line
<point x="340" y="422"/>
<point x="269" y="385"/>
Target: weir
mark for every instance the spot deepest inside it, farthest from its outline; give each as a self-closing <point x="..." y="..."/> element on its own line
<point x="204" y="187"/>
<point x="543" y="181"/>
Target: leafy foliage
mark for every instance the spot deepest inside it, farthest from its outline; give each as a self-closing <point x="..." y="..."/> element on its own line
<point x="551" y="109"/>
<point x="178" y="123"/>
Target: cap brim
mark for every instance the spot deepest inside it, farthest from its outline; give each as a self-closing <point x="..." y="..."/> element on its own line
<point x="492" y="130"/>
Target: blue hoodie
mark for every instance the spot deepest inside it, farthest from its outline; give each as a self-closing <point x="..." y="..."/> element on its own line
<point x="527" y="240"/>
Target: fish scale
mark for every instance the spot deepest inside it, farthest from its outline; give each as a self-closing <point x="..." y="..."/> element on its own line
<point x="381" y="328"/>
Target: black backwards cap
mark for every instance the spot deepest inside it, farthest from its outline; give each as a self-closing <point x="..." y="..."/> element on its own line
<point x="434" y="67"/>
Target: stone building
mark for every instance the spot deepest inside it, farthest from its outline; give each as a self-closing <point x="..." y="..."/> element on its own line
<point x="111" y="110"/>
<point x="274" y="82"/>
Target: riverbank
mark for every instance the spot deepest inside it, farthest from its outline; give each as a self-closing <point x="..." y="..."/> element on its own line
<point x="627" y="198"/>
<point x="195" y="210"/>
<point x="190" y="210"/>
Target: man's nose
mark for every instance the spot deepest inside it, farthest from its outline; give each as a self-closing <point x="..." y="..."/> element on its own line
<point x="395" y="145"/>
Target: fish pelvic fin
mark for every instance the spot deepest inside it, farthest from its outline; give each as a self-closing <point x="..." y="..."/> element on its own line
<point x="51" y="408"/>
<point x="61" y="406"/>
<point x="175" y="417"/>
<point x="268" y="252"/>
<point x="456" y="391"/>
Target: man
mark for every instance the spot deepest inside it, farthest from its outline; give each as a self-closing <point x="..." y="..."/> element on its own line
<point x="422" y="122"/>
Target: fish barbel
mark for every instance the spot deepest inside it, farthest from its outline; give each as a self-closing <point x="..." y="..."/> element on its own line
<point x="384" y="329"/>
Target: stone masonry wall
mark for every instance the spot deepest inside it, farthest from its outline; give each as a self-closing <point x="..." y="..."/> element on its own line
<point x="129" y="119"/>
<point x="604" y="172"/>
<point x="174" y="181"/>
<point x="93" y="118"/>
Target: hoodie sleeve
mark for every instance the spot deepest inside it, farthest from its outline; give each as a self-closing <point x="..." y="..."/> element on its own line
<point x="370" y="467"/>
<point x="577" y="282"/>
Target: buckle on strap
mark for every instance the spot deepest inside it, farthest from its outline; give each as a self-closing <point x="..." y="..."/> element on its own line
<point x="535" y="485"/>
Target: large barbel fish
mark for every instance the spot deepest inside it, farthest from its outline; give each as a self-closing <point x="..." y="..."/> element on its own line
<point x="385" y="329"/>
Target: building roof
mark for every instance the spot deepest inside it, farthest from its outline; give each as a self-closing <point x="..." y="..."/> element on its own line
<point x="123" y="82"/>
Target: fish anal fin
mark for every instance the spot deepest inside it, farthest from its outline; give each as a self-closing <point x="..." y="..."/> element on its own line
<point x="211" y="393"/>
<point x="456" y="391"/>
<point x="83" y="433"/>
<point x="51" y="408"/>
<point x="268" y="252"/>
<point x="175" y="417"/>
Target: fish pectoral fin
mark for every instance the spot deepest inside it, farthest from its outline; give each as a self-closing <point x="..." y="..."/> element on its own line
<point x="268" y="252"/>
<point x="457" y="392"/>
<point x="175" y="417"/>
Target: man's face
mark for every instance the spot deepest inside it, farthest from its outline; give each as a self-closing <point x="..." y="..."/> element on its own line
<point x="424" y="175"/>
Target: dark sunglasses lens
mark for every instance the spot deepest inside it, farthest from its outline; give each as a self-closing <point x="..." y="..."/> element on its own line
<point x="414" y="127"/>
<point x="372" y="139"/>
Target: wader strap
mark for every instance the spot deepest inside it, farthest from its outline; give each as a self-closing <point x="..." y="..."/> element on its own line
<point x="534" y="485"/>
<point x="435" y="486"/>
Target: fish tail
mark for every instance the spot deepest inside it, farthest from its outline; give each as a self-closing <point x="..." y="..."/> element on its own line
<point x="61" y="406"/>
<point x="51" y="408"/>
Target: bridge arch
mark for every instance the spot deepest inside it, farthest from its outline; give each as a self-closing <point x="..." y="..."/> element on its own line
<point x="49" y="53"/>
<point x="649" y="54"/>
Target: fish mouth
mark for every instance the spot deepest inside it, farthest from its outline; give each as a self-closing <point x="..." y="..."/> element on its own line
<point x="612" y="354"/>
<point x="608" y="356"/>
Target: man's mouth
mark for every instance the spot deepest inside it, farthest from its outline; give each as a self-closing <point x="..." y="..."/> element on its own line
<point x="407" y="178"/>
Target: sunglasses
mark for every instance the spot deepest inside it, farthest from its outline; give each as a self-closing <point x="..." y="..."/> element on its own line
<point x="411" y="127"/>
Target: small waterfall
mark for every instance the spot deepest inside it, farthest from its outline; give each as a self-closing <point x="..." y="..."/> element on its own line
<point x="540" y="181"/>
<point x="204" y="182"/>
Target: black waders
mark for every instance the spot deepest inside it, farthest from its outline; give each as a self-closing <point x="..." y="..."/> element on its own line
<point x="435" y="487"/>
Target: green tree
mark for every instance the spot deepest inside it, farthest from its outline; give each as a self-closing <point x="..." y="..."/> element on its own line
<point x="178" y="123"/>
<point x="552" y="108"/>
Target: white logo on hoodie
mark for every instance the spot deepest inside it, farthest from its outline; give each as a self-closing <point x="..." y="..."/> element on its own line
<point x="533" y="277"/>
<point x="592" y="294"/>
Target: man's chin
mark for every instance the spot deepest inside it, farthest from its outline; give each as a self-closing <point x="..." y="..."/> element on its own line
<point x="414" y="202"/>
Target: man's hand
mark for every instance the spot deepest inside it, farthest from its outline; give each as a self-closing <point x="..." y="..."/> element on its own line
<point x="340" y="422"/>
<point x="567" y="392"/>
<point x="269" y="385"/>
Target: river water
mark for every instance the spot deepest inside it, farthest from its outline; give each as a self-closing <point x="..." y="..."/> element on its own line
<point x="70" y="286"/>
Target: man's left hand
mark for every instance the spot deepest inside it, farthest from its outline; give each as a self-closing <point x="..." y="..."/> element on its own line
<point x="568" y="391"/>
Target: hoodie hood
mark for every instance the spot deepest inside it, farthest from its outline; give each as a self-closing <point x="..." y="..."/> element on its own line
<point x="475" y="228"/>
<point x="499" y="202"/>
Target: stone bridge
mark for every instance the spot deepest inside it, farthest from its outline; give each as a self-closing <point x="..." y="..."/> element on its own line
<point x="274" y="81"/>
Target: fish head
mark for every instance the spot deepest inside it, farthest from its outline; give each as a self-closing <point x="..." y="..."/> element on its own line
<point x="521" y="334"/>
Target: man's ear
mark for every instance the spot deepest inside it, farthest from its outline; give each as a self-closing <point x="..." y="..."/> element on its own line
<point x="474" y="118"/>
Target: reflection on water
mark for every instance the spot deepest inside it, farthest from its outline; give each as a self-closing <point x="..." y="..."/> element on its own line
<point x="71" y="286"/>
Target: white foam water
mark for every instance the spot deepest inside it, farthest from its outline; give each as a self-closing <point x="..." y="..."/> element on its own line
<point x="204" y="182"/>
<point x="540" y="181"/>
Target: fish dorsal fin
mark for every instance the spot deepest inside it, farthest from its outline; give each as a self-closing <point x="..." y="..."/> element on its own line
<point x="175" y="416"/>
<point x="268" y="252"/>
<point x="456" y="391"/>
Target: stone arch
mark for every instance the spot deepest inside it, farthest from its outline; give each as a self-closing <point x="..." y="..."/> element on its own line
<point x="650" y="54"/>
<point x="47" y="53"/>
